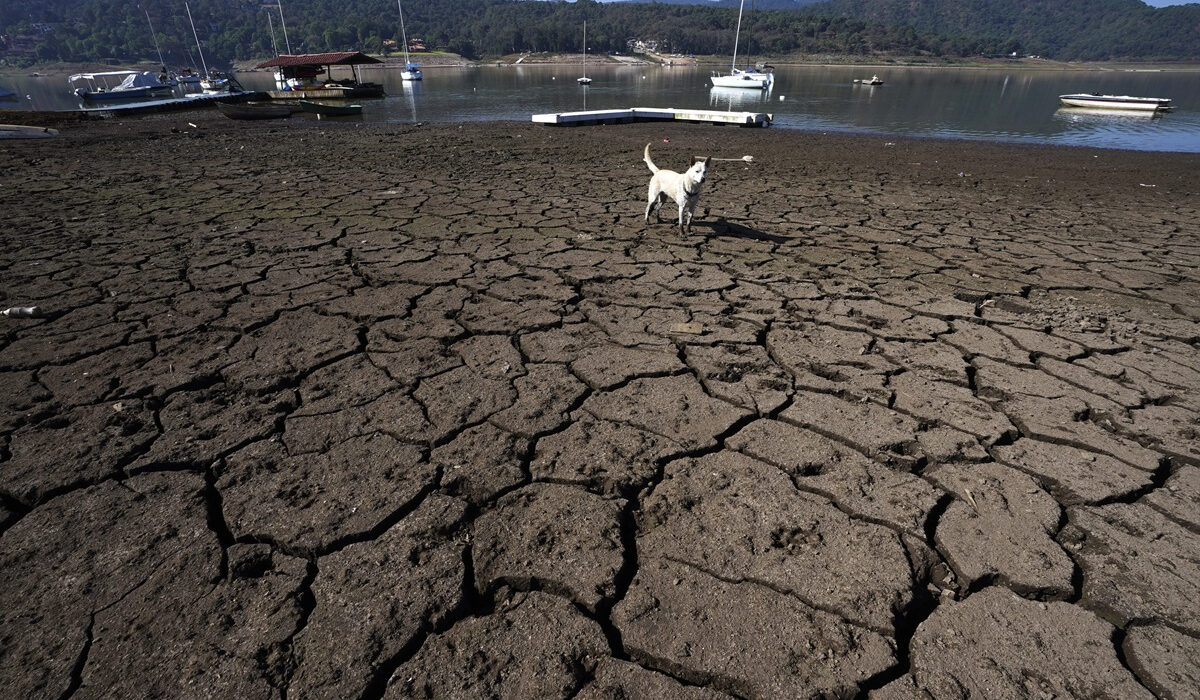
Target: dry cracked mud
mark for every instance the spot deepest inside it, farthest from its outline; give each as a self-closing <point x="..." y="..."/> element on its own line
<point x="368" y="410"/>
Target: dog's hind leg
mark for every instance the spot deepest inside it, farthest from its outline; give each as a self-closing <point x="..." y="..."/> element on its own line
<point x="655" y="203"/>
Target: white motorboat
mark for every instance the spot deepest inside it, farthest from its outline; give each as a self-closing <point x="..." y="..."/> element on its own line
<point x="412" y="71"/>
<point x="751" y="77"/>
<point x="584" y="80"/>
<point x="118" y="85"/>
<point x="873" y="80"/>
<point x="1127" y="102"/>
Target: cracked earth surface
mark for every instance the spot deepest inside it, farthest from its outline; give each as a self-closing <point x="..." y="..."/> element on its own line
<point x="338" y="410"/>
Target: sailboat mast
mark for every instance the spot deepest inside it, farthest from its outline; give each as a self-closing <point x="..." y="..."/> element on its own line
<point x="284" y="25"/>
<point x="154" y="36"/>
<point x="203" y="64"/>
<point x="403" y="36"/>
<point x="585" y="48"/>
<point x="271" y="24"/>
<point x="736" y="35"/>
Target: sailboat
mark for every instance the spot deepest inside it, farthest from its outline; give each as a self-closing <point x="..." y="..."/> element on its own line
<point x="749" y="78"/>
<point x="584" y="80"/>
<point x="411" y="71"/>
<point x="208" y="82"/>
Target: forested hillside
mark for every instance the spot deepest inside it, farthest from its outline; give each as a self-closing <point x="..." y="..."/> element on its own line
<point x="1064" y="29"/>
<point x="97" y="30"/>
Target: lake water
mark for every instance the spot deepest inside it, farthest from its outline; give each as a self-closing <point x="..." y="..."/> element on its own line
<point x="983" y="104"/>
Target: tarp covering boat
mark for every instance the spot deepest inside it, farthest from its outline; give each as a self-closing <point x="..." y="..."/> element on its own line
<point x="139" y="80"/>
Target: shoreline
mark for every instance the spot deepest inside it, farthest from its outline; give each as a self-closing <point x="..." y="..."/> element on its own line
<point x="391" y="62"/>
<point x="75" y="119"/>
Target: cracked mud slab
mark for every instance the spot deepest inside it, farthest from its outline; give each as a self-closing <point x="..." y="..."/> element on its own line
<point x="298" y="422"/>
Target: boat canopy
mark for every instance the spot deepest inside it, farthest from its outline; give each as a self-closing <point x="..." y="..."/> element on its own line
<point x="110" y="74"/>
<point x="341" y="58"/>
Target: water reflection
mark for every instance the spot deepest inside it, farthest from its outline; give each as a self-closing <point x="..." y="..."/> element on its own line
<point x="409" y="89"/>
<point x="987" y="104"/>
<point x="733" y="99"/>
<point x="1087" y="115"/>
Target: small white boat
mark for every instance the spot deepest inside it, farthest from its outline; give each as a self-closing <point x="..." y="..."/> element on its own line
<point x="873" y="80"/>
<point x="412" y="71"/>
<point x="1128" y="102"/>
<point x="584" y="80"/>
<point x="752" y="78"/>
<point x="129" y="85"/>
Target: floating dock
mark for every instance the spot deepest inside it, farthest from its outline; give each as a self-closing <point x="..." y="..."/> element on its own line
<point x="647" y="114"/>
<point x="170" y="104"/>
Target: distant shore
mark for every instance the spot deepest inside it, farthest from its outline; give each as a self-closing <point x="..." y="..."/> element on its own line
<point x="443" y="60"/>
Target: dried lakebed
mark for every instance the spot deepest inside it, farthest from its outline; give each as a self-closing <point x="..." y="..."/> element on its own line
<point x="341" y="410"/>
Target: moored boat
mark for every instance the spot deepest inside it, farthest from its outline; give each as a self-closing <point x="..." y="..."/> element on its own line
<point x="584" y="79"/>
<point x="328" y="110"/>
<point x="412" y="71"/>
<point x="752" y="77"/>
<point x="256" y="110"/>
<point x="1129" y="102"/>
<point x="133" y="85"/>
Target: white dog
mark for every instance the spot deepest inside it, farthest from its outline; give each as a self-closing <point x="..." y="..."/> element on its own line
<point x="683" y="188"/>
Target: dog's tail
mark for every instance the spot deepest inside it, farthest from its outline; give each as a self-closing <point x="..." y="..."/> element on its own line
<point x="649" y="163"/>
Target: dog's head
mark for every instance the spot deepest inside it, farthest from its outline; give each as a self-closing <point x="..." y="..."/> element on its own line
<point x="699" y="171"/>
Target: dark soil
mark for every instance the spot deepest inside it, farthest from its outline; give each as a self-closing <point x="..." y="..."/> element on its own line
<point x="327" y="409"/>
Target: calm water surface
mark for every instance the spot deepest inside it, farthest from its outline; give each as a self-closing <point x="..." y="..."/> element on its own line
<point x="991" y="104"/>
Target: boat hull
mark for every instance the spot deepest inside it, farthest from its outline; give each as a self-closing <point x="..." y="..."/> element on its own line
<point x="330" y="110"/>
<point x="134" y="94"/>
<point x="1121" y="102"/>
<point x="753" y="81"/>
<point x="255" y="110"/>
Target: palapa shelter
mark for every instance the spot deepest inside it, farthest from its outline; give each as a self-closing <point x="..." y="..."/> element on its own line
<point x="299" y="71"/>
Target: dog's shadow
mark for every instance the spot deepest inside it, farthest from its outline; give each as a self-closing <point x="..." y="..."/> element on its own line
<point x="721" y="227"/>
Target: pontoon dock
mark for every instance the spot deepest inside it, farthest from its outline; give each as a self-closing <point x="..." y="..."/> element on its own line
<point x="643" y="114"/>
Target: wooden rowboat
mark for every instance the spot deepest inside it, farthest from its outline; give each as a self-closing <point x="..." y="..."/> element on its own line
<point x="328" y="110"/>
<point x="255" y="110"/>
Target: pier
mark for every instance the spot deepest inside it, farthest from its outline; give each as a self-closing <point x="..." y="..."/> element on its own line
<point x="646" y="114"/>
